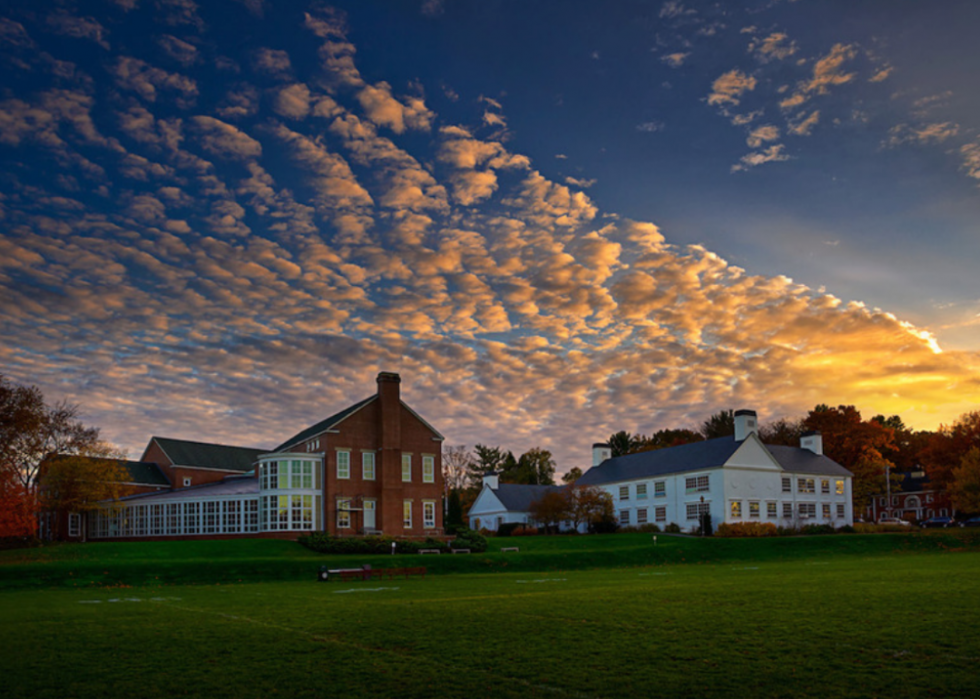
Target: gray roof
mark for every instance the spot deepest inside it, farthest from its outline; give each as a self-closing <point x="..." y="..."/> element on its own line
<point x="324" y="425"/>
<point x="145" y="473"/>
<point x="218" y="456"/>
<point x="698" y="456"/>
<point x="232" y="485"/>
<point x="518" y="498"/>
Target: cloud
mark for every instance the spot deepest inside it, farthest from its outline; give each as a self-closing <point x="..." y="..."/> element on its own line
<point x="673" y="9"/>
<point x="675" y="60"/>
<point x="293" y="101"/>
<point x="921" y="135"/>
<point x="144" y="79"/>
<point x="179" y="50"/>
<point x="881" y="74"/>
<point x="384" y="110"/>
<point x="761" y="134"/>
<point x="971" y="159"/>
<point x="61" y="22"/>
<point x="729" y="87"/>
<point x="650" y="126"/>
<point x="273" y="62"/>
<point x="224" y="140"/>
<point x="802" y="126"/>
<point x="583" y="183"/>
<point x="774" y="47"/>
<point x="772" y="154"/>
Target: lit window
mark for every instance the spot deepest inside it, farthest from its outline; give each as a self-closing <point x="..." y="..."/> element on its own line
<point x="343" y="514"/>
<point x="753" y="509"/>
<point x="826" y="510"/>
<point x="624" y="492"/>
<point x="825" y="485"/>
<point x="787" y="484"/>
<point x="428" y="469"/>
<point x="641" y="491"/>
<point x="406" y="468"/>
<point x="367" y="465"/>
<point x="296" y="473"/>
<point x="407" y="514"/>
<point x="839" y="486"/>
<point x="429" y="514"/>
<point x="641" y="515"/>
<point x="660" y="489"/>
<point x="737" y="509"/>
<point x="771" y="511"/>
<point x="806" y="485"/>
<point x="343" y="465"/>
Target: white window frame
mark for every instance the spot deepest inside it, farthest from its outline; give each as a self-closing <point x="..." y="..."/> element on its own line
<point x="624" y="518"/>
<point x="787" y="484"/>
<point x="660" y="489"/>
<point x="406" y="468"/>
<point x="74" y="524"/>
<point x="428" y="469"/>
<point x="641" y="491"/>
<point x="187" y="481"/>
<point x="624" y="492"/>
<point x="839" y="487"/>
<point x="825" y="486"/>
<point x="754" y="509"/>
<point x="641" y="515"/>
<point x="407" y="514"/>
<point x="368" y="466"/>
<point x="787" y="510"/>
<point x="343" y="513"/>
<point x="735" y="507"/>
<point x="429" y="514"/>
<point x="343" y="464"/>
<point x="660" y="513"/>
<point x="772" y="511"/>
<point x="697" y="484"/>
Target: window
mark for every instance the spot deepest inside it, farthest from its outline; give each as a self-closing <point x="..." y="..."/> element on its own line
<point x="407" y="514"/>
<point x="807" y="510"/>
<point x="641" y="491"/>
<point x="343" y="513"/>
<point x="624" y="492"/>
<point x="428" y="469"/>
<point x="268" y="477"/>
<point x="624" y="517"/>
<point x="74" y="524"/>
<point x="825" y="486"/>
<point x="406" y="468"/>
<point x="429" y="514"/>
<point x="187" y="481"/>
<point x="367" y="465"/>
<point x="840" y="510"/>
<point x="753" y="509"/>
<point x="296" y="471"/>
<point x="641" y="515"/>
<point x="826" y="510"/>
<point x="660" y="514"/>
<point x="343" y="465"/>
<point x="806" y="485"/>
<point x="788" y="510"/>
<point x="839" y="486"/>
<point x="694" y="509"/>
<point x="787" y="484"/>
<point x="696" y="484"/>
<point x="736" y="509"/>
<point x="660" y="489"/>
<point x="771" y="511"/>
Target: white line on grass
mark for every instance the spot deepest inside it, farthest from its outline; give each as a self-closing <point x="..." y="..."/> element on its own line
<point x="544" y="580"/>
<point x="365" y="589"/>
<point x="747" y="568"/>
<point x="642" y="574"/>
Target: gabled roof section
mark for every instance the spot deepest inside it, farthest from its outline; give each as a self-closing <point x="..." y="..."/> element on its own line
<point x="797" y="460"/>
<point x="203" y="455"/>
<point x="325" y="425"/>
<point x="145" y="473"/>
<point x="230" y="485"/>
<point x="518" y="498"/>
<point x="423" y="421"/>
<point x="696" y="456"/>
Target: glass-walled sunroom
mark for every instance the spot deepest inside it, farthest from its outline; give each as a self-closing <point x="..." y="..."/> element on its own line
<point x="290" y="492"/>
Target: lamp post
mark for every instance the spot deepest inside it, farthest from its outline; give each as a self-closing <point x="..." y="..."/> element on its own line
<point x="701" y="515"/>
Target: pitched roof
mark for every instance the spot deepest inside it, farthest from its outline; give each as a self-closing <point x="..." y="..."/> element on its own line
<point x="145" y="473"/>
<point x="203" y="455"/>
<point x="518" y="498"/>
<point x="698" y="456"/>
<point x="324" y="425"/>
<point x="230" y="485"/>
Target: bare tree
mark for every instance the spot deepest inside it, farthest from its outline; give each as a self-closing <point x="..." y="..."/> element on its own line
<point x="456" y="465"/>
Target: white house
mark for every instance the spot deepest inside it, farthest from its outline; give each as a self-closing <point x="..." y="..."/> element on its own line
<point x="503" y="503"/>
<point x="735" y="479"/>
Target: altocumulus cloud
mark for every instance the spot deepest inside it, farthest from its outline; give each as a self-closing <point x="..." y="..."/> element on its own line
<point x="227" y="282"/>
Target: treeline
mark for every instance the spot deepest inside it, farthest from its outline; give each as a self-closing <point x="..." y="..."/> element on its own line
<point x="871" y="449"/>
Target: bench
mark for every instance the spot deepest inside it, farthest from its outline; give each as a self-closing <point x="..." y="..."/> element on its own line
<point x="430" y="551"/>
<point x="460" y="550"/>
<point x="390" y="573"/>
<point x="515" y="549"/>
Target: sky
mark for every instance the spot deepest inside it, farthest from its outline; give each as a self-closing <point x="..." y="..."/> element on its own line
<point x="556" y="220"/>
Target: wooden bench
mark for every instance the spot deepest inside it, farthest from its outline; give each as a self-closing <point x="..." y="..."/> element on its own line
<point x="460" y="550"/>
<point x="515" y="549"/>
<point x="430" y="550"/>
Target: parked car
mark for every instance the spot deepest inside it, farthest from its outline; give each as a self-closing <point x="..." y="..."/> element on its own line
<point x="943" y="522"/>
<point x="972" y="522"/>
<point x="894" y="521"/>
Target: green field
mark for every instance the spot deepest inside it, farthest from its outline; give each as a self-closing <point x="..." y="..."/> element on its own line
<point x="862" y="616"/>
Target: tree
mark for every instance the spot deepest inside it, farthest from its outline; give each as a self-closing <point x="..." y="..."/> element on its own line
<point x="18" y="509"/>
<point x="621" y="443"/>
<point x="31" y="430"/>
<point x="456" y="467"/>
<point x="591" y="506"/>
<point x="782" y="432"/>
<point x="551" y="509"/>
<point x="965" y="489"/>
<point x="721" y="424"/>
<point x="72" y="483"/>
<point x="947" y="447"/>
<point x="488" y="460"/>
<point x="537" y="466"/>
<point x="573" y="475"/>
<point x="454" y="512"/>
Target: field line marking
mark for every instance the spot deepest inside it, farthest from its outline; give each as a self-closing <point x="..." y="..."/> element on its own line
<point x="370" y="649"/>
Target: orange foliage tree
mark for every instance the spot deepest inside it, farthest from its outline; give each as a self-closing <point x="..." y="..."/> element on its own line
<point x="18" y="511"/>
<point x="948" y="446"/>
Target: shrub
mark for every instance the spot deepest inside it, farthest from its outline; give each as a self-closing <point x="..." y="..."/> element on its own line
<point x="672" y="528"/>
<point x="846" y="529"/>
<point x="746" y="529"/>
<point x="649" y="528"/>
<point x="524" y="530"/>
<point x="507" y="528"/>
<point x="812" y="529"/>
<point x="321" y="542"/>
<point x="469" y="539"/>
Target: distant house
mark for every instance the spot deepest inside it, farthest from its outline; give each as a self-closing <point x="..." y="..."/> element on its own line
<point x="505" y="503"/>
<point x="374" y="467"/>
<point x="734" y="479"/>
<point x="916" y="499"/>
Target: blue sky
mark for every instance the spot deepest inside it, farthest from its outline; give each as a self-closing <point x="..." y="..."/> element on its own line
<point x="221" y="219"/>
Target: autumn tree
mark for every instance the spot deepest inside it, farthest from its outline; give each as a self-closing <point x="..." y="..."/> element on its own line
<point x="73" y="483"/>
<point x="965" y="488"/>
<point x="721" y="424"/>
<point x="551" y="509"/>
<point x="591" y="506"/>
<point x="18" y="511"/>
<point x="947" y="447"/>
<point x="782" y="432"/>
<point x="456" y="467"/>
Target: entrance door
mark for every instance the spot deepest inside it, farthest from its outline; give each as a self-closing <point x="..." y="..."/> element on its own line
<point x="370" y="522"/>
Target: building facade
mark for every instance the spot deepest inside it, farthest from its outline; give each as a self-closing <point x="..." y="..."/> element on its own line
<point x="373" y="468"/>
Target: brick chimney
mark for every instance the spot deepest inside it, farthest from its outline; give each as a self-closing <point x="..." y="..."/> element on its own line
<point x="812" y="441"/>
<point x="746" y="423"/>
<point x="389" y="412"/>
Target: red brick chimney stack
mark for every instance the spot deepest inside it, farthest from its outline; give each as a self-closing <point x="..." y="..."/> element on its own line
<point x="389" y="397"/>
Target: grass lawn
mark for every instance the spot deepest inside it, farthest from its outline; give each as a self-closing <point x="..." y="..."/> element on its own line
<point x="820" y="616"/>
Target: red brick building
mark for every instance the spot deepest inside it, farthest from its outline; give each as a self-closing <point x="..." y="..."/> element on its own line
<point x="373" y="468"/>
